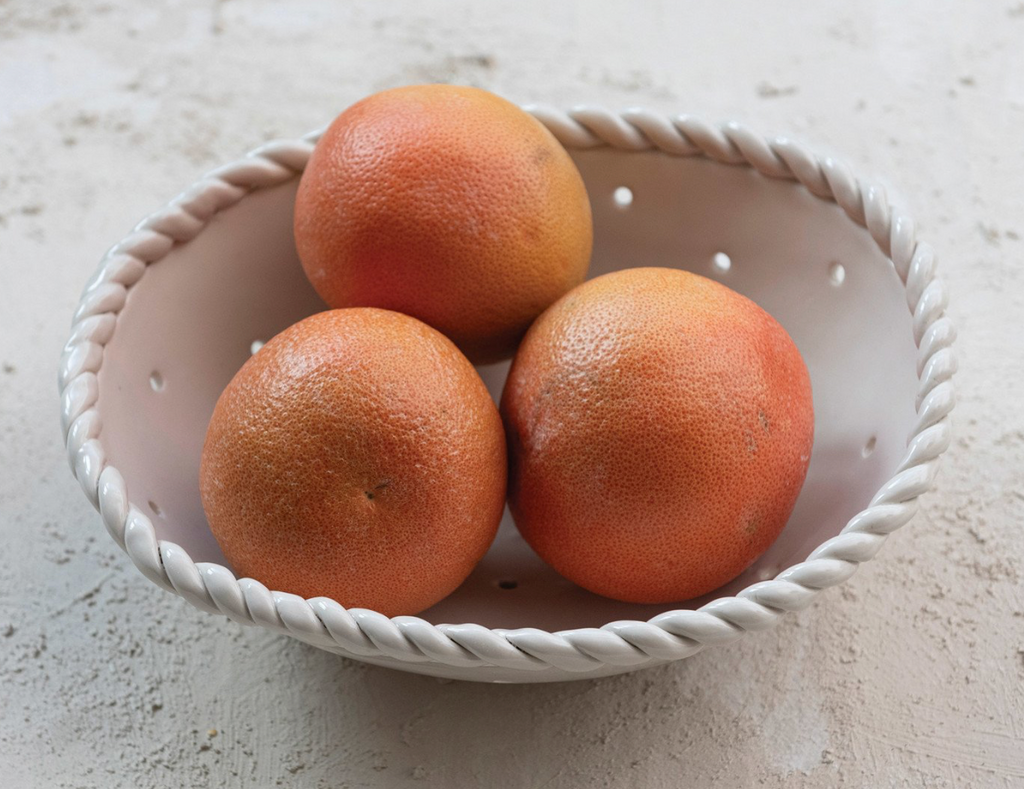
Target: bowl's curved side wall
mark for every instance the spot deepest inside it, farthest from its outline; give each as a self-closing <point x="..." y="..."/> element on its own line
<point x="188" y="326"/>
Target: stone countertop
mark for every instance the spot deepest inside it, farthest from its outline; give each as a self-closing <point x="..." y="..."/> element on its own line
<point x="911" y="674"/>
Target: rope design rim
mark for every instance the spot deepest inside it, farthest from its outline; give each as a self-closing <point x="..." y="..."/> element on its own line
<point x="669" y="636"/>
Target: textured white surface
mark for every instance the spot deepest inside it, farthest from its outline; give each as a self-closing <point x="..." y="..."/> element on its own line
<point x="910" y="675"/>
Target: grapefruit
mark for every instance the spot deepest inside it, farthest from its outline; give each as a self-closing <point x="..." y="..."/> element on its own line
<point x="358" y="456"/>
<point x="660" y="428"/>
<point x="446" y="203"/>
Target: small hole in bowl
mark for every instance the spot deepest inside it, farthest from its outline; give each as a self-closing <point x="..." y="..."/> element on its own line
<point x="255" y="347"/>
<point x="722" y="262"/>
<point x="155" y="509"/>
<point x="156" y="381"/>
<point x="869" y="447"/>
<point x="837" y="273"/>
<point x="623" y="197"/>
<point x="508" y="584"/>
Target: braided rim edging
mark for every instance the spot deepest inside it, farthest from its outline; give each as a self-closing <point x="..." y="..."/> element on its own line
<point x="363" y="633"/>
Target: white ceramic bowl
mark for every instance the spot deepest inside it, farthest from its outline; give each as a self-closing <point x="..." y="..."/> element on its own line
<point x="175" y="307"/>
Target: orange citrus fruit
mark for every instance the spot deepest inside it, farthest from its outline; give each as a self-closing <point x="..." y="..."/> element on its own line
<point x="446" y="203"/>
<point x="358" y="456"/>
<point x="660" y="428"/>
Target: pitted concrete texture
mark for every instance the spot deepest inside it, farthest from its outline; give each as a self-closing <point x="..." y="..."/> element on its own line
<point x="912" y="674"/>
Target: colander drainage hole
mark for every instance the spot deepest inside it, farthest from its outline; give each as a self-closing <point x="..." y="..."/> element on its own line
<point x="255" y="347"/>
<point x="836" y="273"/>
<point x="722" y="262"/>
<point x="623" y="197"/>
<point x="869" y="447"/>
<point x="156" y="510"/>
<point x="156" y="381"/>
<point x="508" y="584"/>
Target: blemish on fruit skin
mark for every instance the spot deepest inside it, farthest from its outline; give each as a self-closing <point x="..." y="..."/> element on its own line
<point x="372" y="494"/>
<point x="762" y="417"/>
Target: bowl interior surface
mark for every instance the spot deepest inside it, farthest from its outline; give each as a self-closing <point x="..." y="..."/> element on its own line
<point x="191" y="321"/>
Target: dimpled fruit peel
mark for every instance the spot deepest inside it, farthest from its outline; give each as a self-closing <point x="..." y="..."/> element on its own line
<point x="446" y="203"/>
<point x="358" y="456"/>
<point x="660" y="428"/>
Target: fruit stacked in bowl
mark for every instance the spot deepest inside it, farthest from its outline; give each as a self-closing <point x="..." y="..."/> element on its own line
<point x="654" y="430"/>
